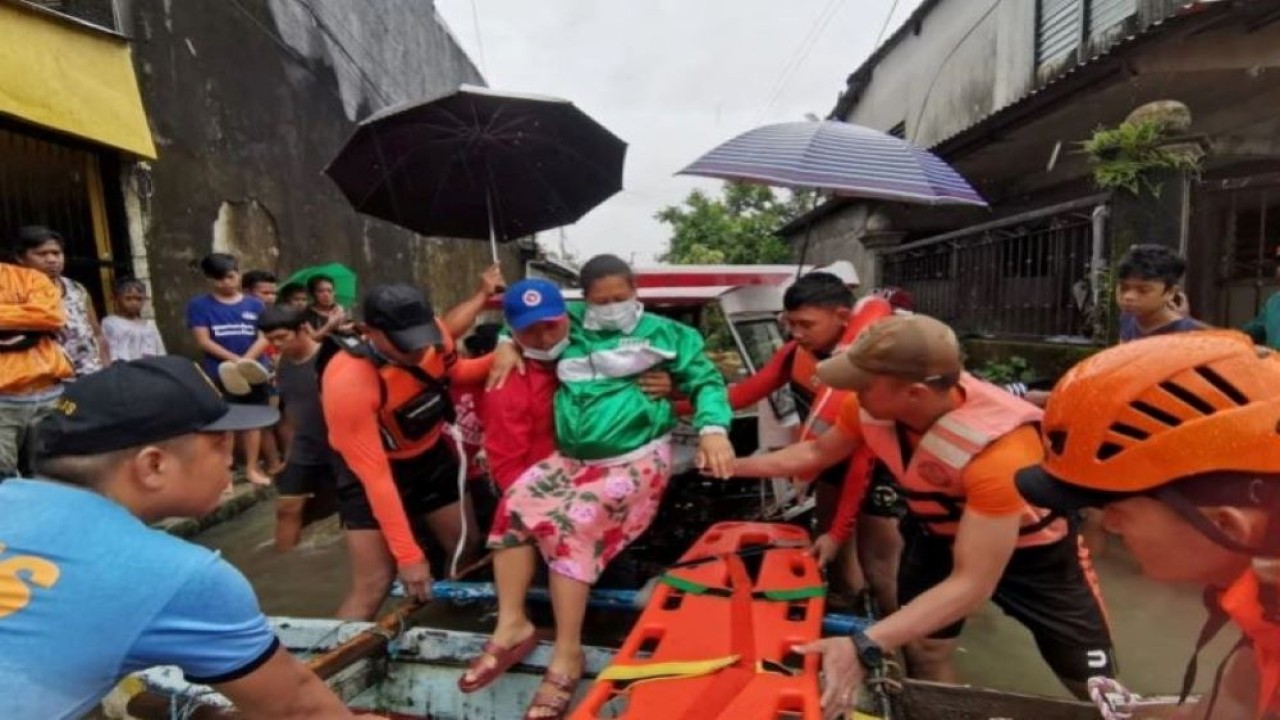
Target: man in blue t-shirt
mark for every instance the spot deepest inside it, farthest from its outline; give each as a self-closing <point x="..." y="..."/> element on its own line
<point x="225" y="321"/>
<point x="89" y="592"/>
<point x="225" y="326"/>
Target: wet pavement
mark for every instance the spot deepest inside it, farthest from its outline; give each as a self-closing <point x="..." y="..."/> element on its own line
<point x="1155" y="625"/>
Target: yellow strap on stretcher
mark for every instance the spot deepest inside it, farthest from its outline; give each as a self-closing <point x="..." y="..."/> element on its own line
<point x="667" y="670"/>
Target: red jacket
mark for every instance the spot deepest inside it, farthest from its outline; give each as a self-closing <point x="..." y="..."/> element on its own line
<point x="519" y="422"/>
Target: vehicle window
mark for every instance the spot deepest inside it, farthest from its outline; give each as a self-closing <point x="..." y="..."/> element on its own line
<point x="721" y="347"/>
<point x="761" y="337"/>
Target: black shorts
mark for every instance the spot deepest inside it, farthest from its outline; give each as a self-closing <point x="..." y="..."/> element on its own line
<point x="883" y="499"/>
<point x="317" y="483"/>
<point x="426" y="483"/>
<point x="306" y="480"/>
<point x="1048" y="589"/>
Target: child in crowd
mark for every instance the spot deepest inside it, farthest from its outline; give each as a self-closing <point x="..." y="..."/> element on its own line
<point x="584" y="504"/>
<point x="325" y="315"/>
<point x="293" y="295"/>
<point x="40" y="248"/>
<point x="1149" y="294"/>
<point x="262" y="285"/>
<point x="307" y="486"/>
<point x="129" y="335"/>
<point x="224" y="323"/>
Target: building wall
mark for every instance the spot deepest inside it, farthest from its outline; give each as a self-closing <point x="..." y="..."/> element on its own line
<point x="248" y="101"/>
<point x="969" y="59"/>
<point x="837" y="237"/>
<point x="959" y="61"/>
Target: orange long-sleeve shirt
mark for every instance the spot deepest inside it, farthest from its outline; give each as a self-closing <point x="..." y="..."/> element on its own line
<point x="352" y="396"/>
<point x="30" y="302"/>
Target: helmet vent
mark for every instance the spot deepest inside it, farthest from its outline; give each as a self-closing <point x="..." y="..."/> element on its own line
<point x="1224" y="387"/>
<point x="1107" y="450"/>
<point x="1057" y="441"/>
<point x="1188" y="397"/>
<point x="1129" y="431"/>
<point x="1155" y="413"/>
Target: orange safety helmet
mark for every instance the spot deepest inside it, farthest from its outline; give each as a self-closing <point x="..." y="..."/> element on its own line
<point x="1148" y="413"/>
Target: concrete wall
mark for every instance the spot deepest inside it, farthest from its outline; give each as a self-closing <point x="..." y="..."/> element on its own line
<point x="248" y="101"/>
<point x="970" y="58"/>
<point x="958" y="61"/>
<point x="837" y="237"/>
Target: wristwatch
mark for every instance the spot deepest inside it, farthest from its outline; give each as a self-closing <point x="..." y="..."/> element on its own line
<point x="870" y="654"/>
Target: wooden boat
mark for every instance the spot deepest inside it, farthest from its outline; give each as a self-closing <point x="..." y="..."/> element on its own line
<point x="411" y="674"/>
<point x="399" y="669"/>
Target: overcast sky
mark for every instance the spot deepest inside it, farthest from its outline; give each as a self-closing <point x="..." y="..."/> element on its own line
<point x="673" y="78"/>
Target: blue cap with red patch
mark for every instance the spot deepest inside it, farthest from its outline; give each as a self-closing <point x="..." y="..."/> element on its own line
<point x="532" y="301"/>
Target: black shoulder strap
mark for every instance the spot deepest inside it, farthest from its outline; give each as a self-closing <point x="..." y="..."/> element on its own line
<point x="354" y="346"/>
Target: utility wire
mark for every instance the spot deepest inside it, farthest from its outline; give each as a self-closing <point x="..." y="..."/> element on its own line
<point x="475" y="21"/>
<point x="885" y="27"/>
<point x="824" y="17"/>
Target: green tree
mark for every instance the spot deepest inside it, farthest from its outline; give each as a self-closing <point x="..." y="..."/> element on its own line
<point x="738" y="228"/>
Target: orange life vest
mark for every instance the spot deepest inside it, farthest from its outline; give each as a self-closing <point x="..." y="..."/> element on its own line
<point x="822" y="404"/>
<point x="416" y="402"/>
<point x="931" y="480"/>
<point x="1242" y="602"/>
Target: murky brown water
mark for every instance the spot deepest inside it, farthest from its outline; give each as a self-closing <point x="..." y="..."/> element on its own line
<point x="1155" y="625"/>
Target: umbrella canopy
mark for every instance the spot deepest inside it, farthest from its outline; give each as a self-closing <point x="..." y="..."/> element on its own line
<point x="480" y="164"/>
<point x="343" y="277"/>
<point x="840" y="158"/>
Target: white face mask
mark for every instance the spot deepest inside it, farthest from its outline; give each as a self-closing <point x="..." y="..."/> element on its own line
<point x="549" y="355"/>
<point x="619" y="316"/>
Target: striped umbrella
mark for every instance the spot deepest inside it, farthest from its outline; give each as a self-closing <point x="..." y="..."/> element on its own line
<point x="839" y="158"/>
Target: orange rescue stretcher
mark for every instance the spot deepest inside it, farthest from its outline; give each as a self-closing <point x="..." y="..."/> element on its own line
<point x="715" y="639"/>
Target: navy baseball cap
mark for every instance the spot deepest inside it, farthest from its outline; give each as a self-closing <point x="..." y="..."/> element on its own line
<point x="532" y="301"/>
<point x="403" y="313"/>
<point x="136" y="403"/>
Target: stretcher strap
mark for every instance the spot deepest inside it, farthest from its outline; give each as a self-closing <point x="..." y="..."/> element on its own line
<point x="694" y="588"/>
<point x="667" y="670"/>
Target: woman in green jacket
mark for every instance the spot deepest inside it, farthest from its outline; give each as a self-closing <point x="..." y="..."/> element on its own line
<point x="600" y="491"/>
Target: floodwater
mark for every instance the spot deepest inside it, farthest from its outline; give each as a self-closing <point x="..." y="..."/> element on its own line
<point x="1155" y="625"/>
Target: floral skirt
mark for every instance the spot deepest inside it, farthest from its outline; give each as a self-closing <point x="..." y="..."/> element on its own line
<point x="581" y="515"/>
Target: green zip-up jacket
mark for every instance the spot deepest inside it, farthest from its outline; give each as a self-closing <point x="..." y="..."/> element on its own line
<point x="1265" y="328"/>
<point x="601" y="412"/>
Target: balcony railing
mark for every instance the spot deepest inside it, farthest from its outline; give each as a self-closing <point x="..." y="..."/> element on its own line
<point x="1027" y="276"/>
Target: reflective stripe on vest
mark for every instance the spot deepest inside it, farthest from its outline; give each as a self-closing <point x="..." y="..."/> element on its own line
<point x="932" y="484"/>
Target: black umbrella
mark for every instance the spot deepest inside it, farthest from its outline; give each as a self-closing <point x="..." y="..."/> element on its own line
<point x="480" y="164"/>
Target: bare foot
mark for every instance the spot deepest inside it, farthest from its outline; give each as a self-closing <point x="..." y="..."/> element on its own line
<point x="256" y="476"/>
<point x="276" y="468"/>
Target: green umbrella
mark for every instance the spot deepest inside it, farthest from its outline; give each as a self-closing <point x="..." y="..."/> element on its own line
<point x="343" y="277"/>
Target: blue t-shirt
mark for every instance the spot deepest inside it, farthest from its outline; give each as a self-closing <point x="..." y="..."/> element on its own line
<point x="233" y="326"/>
<point x="90" y="593"/>
<point x="1129" y="329"/>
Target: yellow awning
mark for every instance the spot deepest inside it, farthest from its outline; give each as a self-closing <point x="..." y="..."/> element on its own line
<point x="70" y="78"/>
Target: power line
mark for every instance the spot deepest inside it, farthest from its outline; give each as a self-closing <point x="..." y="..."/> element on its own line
<point x="885" y="27"/>
<point x="824" y="17"/>
<point x="475" y="21"/>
